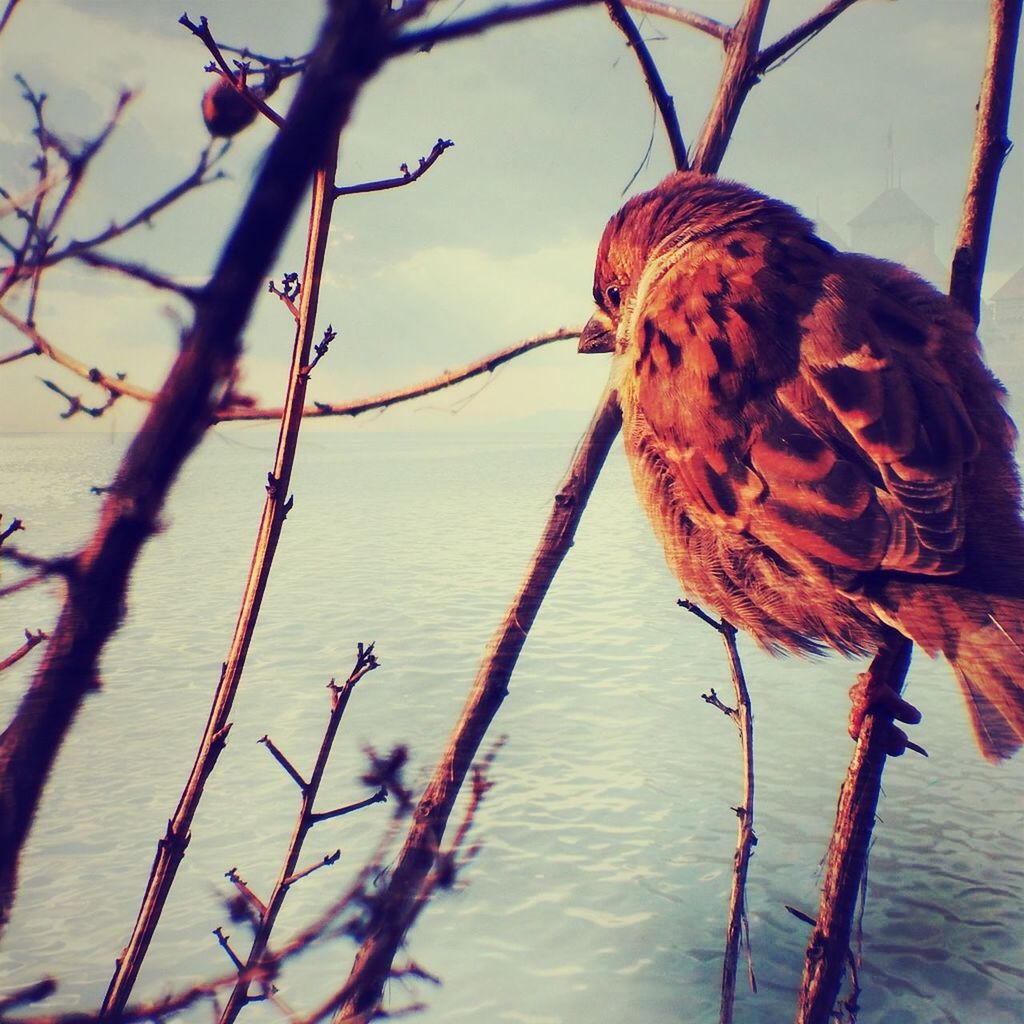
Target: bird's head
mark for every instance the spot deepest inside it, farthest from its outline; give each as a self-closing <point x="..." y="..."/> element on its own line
<point x="648" y="235"/>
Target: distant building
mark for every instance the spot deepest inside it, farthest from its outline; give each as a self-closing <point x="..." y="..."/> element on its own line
<point x="1006" y="307"/>
<point x="894" y="227"/>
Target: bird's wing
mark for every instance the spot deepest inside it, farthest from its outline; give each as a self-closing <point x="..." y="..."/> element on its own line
<point x="874" y="352"/>
<point x="815" y="416"/>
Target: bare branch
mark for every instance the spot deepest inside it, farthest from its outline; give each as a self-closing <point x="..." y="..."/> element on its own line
<point x="991" y="146"/>
<point x="352" y="45"/>
<point x="284" y="762"/>
<point x="4" y="19"/>
<point x="138" y="272"/>
<point x="826" y="955"/>
<point x="237" y="80"/>
<point x="13" y="527"/>
<point x="324" y="862"/>
<point x="13" y="357"/>
<point x="780" y="51"/>
<point x="444" y="380"/>
<point x="114" y="385"/>
<point x="737" y="79"/>
<point x="737" y="930"/>
<point x="424" y="39"/>
<point x="251" y="899"/>
<point x="698" y="21"/>
<point x="379" y="797"/>
<point x="407" y="177"/>
<point x="226" y="946"/>
<point x="31" y="640"/>
<point x="75" y="404"/>
<point x="656" y="87"/>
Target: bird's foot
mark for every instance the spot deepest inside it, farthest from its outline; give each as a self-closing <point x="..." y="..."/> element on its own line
<point x="868" y="695"/>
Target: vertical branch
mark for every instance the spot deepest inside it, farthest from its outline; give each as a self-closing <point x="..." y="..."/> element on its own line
<point x="991" y="147"/>
<point x="738" y="78"/>
<point x="171" y="848"/>
<point x="365" y="662"/>
<point x="828" y="949"/>
<point x="746" y="840"/>
<point x="351" y="47"/>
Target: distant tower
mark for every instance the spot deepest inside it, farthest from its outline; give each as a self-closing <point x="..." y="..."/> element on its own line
<point x="894" y="227"/>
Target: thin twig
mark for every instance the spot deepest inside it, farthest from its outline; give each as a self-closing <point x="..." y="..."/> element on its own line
<point x="275" y="510"/>
<point x="31" y="640"/>
<point x="8" y="11"/>
<point x="656" y="87"/>
<point x="202" y="30"/>
<point x="425" y="39"/>
<point x="407" y="177"/>
<point x="991" y="146"/>
<point x="780" y="51"/>
<point x="487" y="364"/>
<point x="365" y="662"/>
<point x="737" y="931"/>
<point x="700" y="22"/>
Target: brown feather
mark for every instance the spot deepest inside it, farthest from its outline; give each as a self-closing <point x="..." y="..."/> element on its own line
<point x="816" y="439"/>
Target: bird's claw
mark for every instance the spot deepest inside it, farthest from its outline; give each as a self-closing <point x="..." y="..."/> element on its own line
<point x="867" y="696"/>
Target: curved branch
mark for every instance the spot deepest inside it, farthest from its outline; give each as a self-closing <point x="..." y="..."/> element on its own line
<point x="115" y="385"/>
<point x="656" y="87"/>
<point x="407" y="177"/>
<point x="717" y="29"/>
<point x="444" y="380"/>
<point x="231" y="412"/>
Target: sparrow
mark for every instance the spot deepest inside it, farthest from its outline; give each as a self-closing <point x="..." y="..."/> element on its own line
<point x="816" y="440"/>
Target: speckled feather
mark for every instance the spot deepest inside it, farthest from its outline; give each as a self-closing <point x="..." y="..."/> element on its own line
<point x="815" y="437"/>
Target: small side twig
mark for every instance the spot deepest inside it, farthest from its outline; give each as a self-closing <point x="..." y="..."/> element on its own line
<point x="701" y="22"/>
<point x="406" y="177"/>
<point x="737" y="931"/>
<point x="366" y="661"/>
<point x="31" y="640"/>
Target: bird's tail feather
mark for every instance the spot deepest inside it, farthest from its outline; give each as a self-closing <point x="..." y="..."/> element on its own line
<point x="982" y="637"/>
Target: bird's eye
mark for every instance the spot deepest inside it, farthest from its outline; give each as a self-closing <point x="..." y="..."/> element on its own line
<point x="614" y="296"/>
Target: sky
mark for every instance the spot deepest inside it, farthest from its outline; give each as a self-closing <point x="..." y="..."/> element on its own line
<point x="550" y="120"/>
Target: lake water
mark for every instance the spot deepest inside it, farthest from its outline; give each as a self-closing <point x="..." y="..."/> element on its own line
<point x="600" y="893"/>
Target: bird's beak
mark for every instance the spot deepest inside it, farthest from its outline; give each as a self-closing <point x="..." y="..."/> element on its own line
<point x="598" y="335"/>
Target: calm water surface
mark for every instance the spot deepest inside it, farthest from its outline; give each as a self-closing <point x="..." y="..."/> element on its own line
<point x="601" y="890"/>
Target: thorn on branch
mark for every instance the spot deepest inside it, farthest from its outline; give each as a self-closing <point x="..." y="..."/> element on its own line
<point x="31" y="640"/>
<point x="713" y="699"/>
<point x="248" y="906"/>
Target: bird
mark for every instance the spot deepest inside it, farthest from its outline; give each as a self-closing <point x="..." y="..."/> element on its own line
<point x="817" y="441"/>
